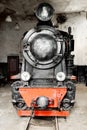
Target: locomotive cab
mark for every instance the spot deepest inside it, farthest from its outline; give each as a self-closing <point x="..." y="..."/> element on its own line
<point x="46" y="85"/>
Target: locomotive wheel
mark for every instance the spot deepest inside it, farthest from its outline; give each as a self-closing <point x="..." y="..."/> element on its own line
<point x="20" y="104"/>
<point x="15" y="86"/>
<point x="66" y="104"/>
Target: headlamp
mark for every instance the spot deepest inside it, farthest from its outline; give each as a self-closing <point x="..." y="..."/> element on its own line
<point x="44" y="12"/>
<point x="25" y="76"/>
<point x="60" y="76"/>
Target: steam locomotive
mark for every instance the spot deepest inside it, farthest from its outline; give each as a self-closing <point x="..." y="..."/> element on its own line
<point x="46" y="84"/>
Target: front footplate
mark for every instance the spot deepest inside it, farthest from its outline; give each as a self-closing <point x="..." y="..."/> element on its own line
<point x="55" y="95"/>
<point x="44" y="113"/>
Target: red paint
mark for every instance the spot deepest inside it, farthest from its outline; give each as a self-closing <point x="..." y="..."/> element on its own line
<point x="55" y="94"/>
<point x="44" y="113"/>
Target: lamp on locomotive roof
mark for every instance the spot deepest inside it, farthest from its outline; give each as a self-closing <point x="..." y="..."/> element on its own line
<point x="44" y="12"/>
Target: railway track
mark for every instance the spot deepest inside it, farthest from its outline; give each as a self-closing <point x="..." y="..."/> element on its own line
<point x="53" y="121"/>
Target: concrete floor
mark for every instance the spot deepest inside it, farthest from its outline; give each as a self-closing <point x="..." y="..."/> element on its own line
<point x="9" y="119"/>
